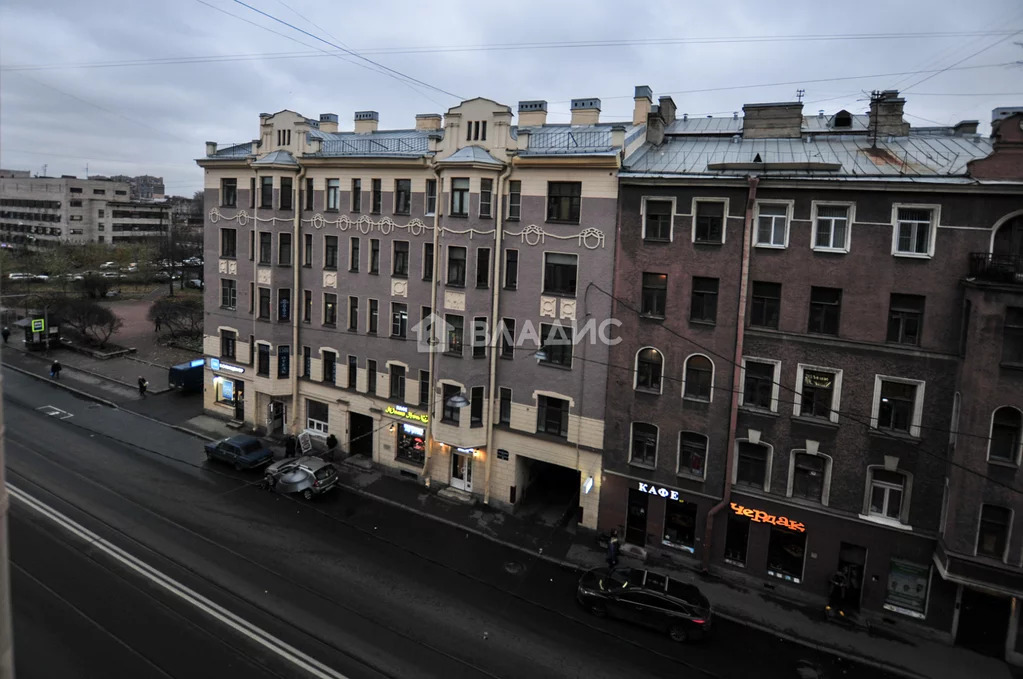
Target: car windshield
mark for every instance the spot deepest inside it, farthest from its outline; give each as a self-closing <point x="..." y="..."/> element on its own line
<point x="251" y="446"/>
<point x="688" y="593"/>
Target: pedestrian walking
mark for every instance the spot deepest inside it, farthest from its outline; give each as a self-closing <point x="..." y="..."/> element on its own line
<point x="5" y="333"/>
<point x="612" y="550"/>
<point x="157" y="324"/>
<point x="55" y="368"/>
<point x="142" y="386"/>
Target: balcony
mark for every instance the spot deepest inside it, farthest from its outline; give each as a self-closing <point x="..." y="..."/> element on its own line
<point x="996" y="268"/>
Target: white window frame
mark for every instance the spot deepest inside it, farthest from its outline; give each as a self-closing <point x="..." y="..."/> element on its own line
<point x="789" y="207"/>
<point x="678" y="456"/>
<point x="632" y="440"/>
<point x="935" y="209"/>
<point x="311" y="424"/>
<point x="724" y="221"/>
<point x="767" y="470"/>
<point x="990" y="433"/>
<point x="1008" y="535"/>
<point x="918" y="402"/>
<point x="850" y="218"/>
<point x="825" y="484"/>
<point x="685" y="370"/>
<point x="836" y="390"/>
<point x="426" y="198"/>
<point x="671" y="224"/>
<point x="775" y="381"/>
<point x="635" y="372"/>
<point x="907" y="496"/>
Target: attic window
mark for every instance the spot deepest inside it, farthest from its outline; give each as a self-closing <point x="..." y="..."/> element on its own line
<point x="843" y="119"/>
<point x="476" y="130"/>
<point x="283" y="137"/>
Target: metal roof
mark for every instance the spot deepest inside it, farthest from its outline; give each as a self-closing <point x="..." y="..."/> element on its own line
<point x="277" y="158"/>
<point x="572" y="140"/>
<point x="235" y="151"/>
<point x="733" y="125"/>
<point x="472" y="154"/>
<point x="389" y="143"/>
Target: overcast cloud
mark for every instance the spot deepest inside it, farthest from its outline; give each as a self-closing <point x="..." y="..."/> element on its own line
<point x="152" y="118"/>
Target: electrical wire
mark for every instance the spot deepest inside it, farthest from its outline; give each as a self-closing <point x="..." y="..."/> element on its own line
<point x="960" y="61"/>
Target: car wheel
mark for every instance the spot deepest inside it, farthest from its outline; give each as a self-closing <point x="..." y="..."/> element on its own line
<point x="678" y="634"/>
<point x="598" y="610"/>
<point x="307" y="494"/>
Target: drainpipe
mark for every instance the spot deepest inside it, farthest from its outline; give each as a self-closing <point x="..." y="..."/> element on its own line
<point x="432" y="342"/>
<point x="296" y="249"/>
<point x="495" y="299"/>
<point x="740" y="334"/>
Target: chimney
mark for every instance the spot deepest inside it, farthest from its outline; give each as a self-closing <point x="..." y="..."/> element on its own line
<point x="886" y="115"/>
<point x="666" y="105"/>
<point x="428" y="121"/>
<point x="644" y="98"/>
<point x="366" y="121"/>
<point x="532" y="113"/>
<point x="211" y="149"/>
<point x="772" y="121"/>
<point x="618" y="135"/>
<point x="585" y="111"/>
<point x="654" y="128"/>
<point x="328" y="122"/>
<point x="965" y="127"/>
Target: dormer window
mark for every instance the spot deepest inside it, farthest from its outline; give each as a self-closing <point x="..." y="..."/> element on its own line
<point x="476" y="130"/>
<point x="283" y="137"/>
<point x="843" y="119"/>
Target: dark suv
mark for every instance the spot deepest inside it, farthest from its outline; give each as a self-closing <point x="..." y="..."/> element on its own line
<point x="646" y="598"/>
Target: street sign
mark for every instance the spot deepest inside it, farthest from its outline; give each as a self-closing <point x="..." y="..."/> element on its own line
<point x="304" y="442"/>
<point x="38" y="325"/>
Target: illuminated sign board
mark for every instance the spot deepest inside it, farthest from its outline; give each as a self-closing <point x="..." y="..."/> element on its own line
<point x="197" y="362"/>
<point x="215" y="364"/>
<point x="763" y="517"/>
<point x="651" y="489"/>
<point x="38" y="325"/>
<point x="465" y="451"/>
<point x="405" y="413"/>
<point x="415" y="431"/>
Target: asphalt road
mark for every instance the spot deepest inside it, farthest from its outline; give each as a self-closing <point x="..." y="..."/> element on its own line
<point x="368" y="589"/>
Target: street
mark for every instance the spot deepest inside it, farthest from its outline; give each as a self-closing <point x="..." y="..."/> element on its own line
<point x="366" y="588"/>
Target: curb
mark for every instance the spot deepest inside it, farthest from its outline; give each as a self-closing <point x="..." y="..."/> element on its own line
<point x="109" y="379"/>
<point x="58" y="383"/>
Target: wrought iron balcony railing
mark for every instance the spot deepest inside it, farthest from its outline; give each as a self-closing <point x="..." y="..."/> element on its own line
<point x="996" y="268"/>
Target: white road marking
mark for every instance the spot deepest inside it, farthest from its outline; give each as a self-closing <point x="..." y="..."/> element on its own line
<point x="239" y="624"/>
<point x="53" y="411"/>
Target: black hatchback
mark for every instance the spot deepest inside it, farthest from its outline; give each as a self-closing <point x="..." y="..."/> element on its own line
<point x="647" y="598"/>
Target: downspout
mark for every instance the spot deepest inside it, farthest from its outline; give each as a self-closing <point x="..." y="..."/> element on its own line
<point x="432" y="341"/>
<point x="296" y="250"/>
<point x="495" y="299"/>
<point x="740" y="335"/>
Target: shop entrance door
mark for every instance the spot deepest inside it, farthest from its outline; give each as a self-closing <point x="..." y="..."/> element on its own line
<point x="239" y="401"/>
<point x="461" y="472"/>
<point x="275" y="418"/>
<point x="983" y="622"/>
<point x="635" y="519"/>
<point x="852" y="561"/>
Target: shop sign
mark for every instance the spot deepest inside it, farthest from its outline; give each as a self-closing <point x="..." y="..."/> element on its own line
<point x="465" y="451"/>
<point x="227" y="390"/>
<point x="415" y="431"/>
<point x="215" y="364"/>
<point x="816" y="379"/>
<point x="662" y="492"/>
<point x="405" y="413"/>
<point x="763" y="517"/>
<point x="907" y="588"/>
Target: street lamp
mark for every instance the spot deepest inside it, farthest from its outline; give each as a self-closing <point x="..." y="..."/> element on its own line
<point x="458" y="401"/>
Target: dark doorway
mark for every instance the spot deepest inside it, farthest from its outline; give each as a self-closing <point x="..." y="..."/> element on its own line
<point x="276" y="418"/>
<point x="852" y="560"/>
<point x="360" y="433"/>
<point x="239" y="400"/>
<point x="635" y="519"/>
<point x="551" y="492"/>
<point x="983" y="622"/>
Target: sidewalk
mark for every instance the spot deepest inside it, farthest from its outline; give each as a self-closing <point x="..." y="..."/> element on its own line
<point x="903" y="654"/>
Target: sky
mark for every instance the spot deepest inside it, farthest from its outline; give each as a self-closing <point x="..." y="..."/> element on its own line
<point x="138" y="86"/>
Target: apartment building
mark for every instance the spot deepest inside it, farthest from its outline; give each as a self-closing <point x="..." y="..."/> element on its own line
<point x="423" y="294"/>
<point x="804" y="329"/>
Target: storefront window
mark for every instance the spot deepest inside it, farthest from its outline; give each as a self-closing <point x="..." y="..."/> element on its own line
<point x="785" y="554"/>
<point x="225" y="391"/>
<point x="680" y="525"/>
<point x="316" y="416"/>
<point x="907" y="588"/>
<point x="736" y="539"/>
<point x="411" y="443"/>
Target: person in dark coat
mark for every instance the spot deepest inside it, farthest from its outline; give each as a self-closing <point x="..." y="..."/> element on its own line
<point x="55" y="369"/>
<point x="5" y="333"/>
<point x="142" y="386"/>
<point x="289" y="447"/>
<point x="612" y="550"/>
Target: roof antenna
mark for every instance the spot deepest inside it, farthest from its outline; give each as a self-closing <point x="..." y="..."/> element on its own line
<point x="875" y="99"/>
<point x="799" y="95"/>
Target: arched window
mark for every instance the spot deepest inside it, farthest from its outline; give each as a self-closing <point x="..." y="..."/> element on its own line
<point x="644" y="444"/>
<point x="649" y="365"/>
<point x="699" y="378"/>
<point x="1006" y="425"/>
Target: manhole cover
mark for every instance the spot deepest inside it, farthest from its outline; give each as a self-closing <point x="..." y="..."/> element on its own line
<point x="513" y="567"/>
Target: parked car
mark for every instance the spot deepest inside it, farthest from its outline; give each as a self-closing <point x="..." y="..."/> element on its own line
<point x="108" y="265"/>
<point x="19" y="276"/>
<point x="244" y="452"/>
<point x="194" y="283"/>
<point x="310" y="476"/>
<point x="647" y="598"/>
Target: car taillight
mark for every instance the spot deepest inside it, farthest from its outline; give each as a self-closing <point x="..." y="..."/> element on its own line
<point x="699" y="621"/>
<point x="316" y="484"/>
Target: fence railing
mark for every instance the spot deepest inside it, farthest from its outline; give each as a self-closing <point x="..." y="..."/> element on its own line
<point x="996" y="268"/>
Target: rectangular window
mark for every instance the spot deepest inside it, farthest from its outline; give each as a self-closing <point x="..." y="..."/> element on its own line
<point x="751" y="467"/>
<point x="353" y="313"/>
<point x="560" y="273"/>
<point x="307" y="306"/>
<point x="252" y="192"/>
<point x="808" y="477"/>
<point x="424" y="387"/>
<point x="460" y="197"/>
<point x="329" y="367"/>
<point x="765" y="305"/>
<point x="283" y="360"/>
<point x="374" y="255"/>
<point x="307" y="249"/>
<point x="333" y="194"/>
<point x="266" y="241"/>
<point x="284" y="248"/>
<point x="264" y="303"/>
<point x="431" y="196"/>
<point x="704" y="306"/>
<point x="886" y="494"/>
<point x="402" y="196"/>
<point x="456" y="266"/>
<point x="252" y="297"/>
<point x="655" y="294"/>
<point x="831" y="228"/>
<point x="895" y="411"/>
<point x="692" y="453"/>
<point x="772" y="225"/>
<point x="555" y="345"/>
<point x="514" y="200"/>
<point x="708" y="222"/>
<point x="913" y="231"/>
<point x="736" y="539"/>
<point x="1012" y="336"/>
<point x="552" y="416"/>
<point x="353" y="254"/>
<point x="479" y="337"/>
<point x="353" y="371"/>
<point x="563" y="201"/>
<point x="817" y="393"/>
<point x="397" y="383"/>
<point x="356" y="195"/>
<point x="329" y="309"/>
<point x="228" y="193"/>
<point x="476" y="403"/>
<point x="316" y="416"/>
<point x="228" y="293"/>
<point x="511" y="269"/>
<point x="308" y="194"/>
<point x="307" y="362"/>
<point x="400" y="258"/>
<point x="825" y="310"/>
<point x="399" y="320"/>
<point x="504" y="409"/>
<point x="330" y="252"/>
<point x="644" y="444"/>
<point x="371" y="376"/>
<point x="252" y="245"/>
<point x="228" y="341"/>
<point x="486" y="197"/>
<point x="377" y="196"/>
<point x="427" y="261"/>
<point x="993" y="534"/>
<point x="482" y="267"/>
<point x="507" y="338"/>
<point x="266" y="192"/>
<point x="456" y="334"/>
<point x="905" y="318"/>
<point x="758" y="385"/>
<point x="286" y="193"/>
<point x="374" y="313"/>
<point x="263" y="359"/>
<point x="283" y="304"/>
<point x="786" y="550"/>
<point x="680" y="525"/>
<point x="657" y="220"/>
<point x="450" y="413"/>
